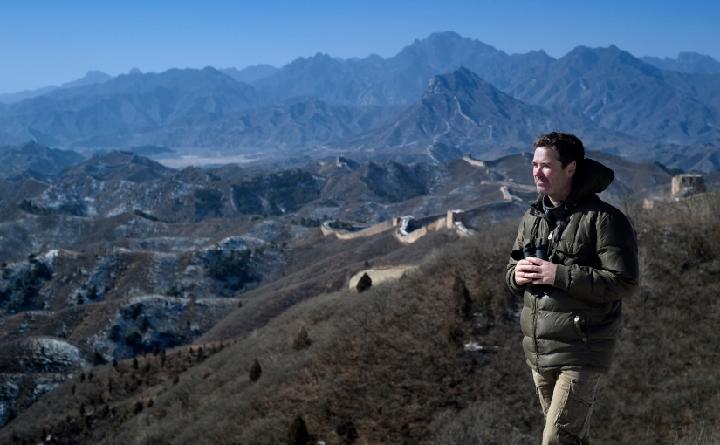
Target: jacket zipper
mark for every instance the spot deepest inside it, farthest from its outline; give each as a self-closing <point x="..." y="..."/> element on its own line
<point x="535" y="308"/>
<point x="535" y="315"/>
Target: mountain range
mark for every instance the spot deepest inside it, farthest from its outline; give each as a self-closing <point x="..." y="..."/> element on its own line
<point x="419" y="97"/>
<point x="461" y="110"/>
<point x="90" y="78"/>
<point x="686" y="62"/>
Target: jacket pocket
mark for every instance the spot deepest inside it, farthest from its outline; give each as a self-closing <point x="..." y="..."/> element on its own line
<point x="574" y="415"/>
<point x="578" y="400"/>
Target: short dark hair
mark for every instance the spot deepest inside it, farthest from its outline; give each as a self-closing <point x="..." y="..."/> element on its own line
<point x="567" y="146"/>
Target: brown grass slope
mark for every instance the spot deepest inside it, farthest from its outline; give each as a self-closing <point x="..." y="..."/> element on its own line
<point x="317" y="264"/>
<point x="388" y="367"/>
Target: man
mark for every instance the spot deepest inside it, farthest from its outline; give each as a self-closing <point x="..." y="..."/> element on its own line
<point x="574" y="259"/>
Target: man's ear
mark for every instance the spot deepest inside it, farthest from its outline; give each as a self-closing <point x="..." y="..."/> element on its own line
<point x="571" y="168"/>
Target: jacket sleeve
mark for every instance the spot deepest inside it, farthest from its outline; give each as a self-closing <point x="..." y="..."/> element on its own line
<point x="515" y="256"/>
<point x="617" y="274"/>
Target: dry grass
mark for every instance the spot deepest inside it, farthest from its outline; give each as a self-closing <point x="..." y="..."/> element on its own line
<point x="387" y="366"/>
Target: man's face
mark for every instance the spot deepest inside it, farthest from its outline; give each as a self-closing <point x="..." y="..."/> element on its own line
<point x="550" y="177"/>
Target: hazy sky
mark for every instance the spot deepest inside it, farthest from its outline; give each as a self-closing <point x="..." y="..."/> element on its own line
<point x="50" y="42"/>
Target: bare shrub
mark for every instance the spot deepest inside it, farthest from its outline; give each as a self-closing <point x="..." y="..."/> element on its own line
<point x="298" y="433"/>
<point x="302" y="339"/>
<point x="347" y="432"/>
<point x="364" y="283"/>
<point x="255" y="371"/>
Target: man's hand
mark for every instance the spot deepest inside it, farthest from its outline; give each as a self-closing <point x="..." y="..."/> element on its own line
<point x="523" y="272"/>
<point x="533" y="270"/>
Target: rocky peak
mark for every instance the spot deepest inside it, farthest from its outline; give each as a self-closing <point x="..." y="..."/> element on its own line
<point x="319" y="61"/>
<point x="90" y="78"/>
<point x="460" y="81"/>
<point x="465" y="93"/>
<point x="446" y="42"/>
<point x="611" y="58"/>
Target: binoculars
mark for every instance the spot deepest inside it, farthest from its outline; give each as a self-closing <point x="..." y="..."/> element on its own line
<point x="530" y="250"/>
<point x="539" y="252"/>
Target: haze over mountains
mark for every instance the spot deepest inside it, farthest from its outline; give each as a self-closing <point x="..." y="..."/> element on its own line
<point x="623" y="104"/>
<point x="686" y="62"/>
<point x="91" y="77"/>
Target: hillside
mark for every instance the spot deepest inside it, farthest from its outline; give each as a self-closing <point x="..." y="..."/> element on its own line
<point x="119" y="256"/>
<point x="35" y="160"/>
<point x="395" y="365"/>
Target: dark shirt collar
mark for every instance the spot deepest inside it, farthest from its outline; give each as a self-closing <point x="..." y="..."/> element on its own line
<point x="553" y="214"/>
<point x="547" y="204"/>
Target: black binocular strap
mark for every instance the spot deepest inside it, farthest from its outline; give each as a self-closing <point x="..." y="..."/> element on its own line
<point x="535" y="228"/>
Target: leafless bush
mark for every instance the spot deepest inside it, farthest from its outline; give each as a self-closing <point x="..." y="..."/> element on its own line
<point x="255" y="371"/>
<point x="302" y="339"/>
<point x="298" y="433"/>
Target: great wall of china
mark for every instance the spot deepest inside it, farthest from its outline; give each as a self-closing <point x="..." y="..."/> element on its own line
<point x="408" y="229"/>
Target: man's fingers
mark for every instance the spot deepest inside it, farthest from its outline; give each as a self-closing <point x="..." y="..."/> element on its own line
<point x="531" y="275"/>
<point x="533" y="269"/>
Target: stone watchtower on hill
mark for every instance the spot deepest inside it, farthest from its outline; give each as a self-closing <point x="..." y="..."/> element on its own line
<point x="686" y="185"/>
<point x="681" y="187"/>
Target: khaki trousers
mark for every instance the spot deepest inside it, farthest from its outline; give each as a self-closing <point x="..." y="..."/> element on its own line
<point x="567" y="399"/>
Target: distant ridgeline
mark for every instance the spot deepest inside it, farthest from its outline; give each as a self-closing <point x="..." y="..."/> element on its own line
<point x="438" y="98"/>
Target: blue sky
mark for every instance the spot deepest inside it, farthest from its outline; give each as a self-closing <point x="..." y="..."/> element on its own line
<point x="50" y="42"/>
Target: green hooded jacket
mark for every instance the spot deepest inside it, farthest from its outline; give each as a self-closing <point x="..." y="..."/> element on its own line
<point x="575" y="322"/>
